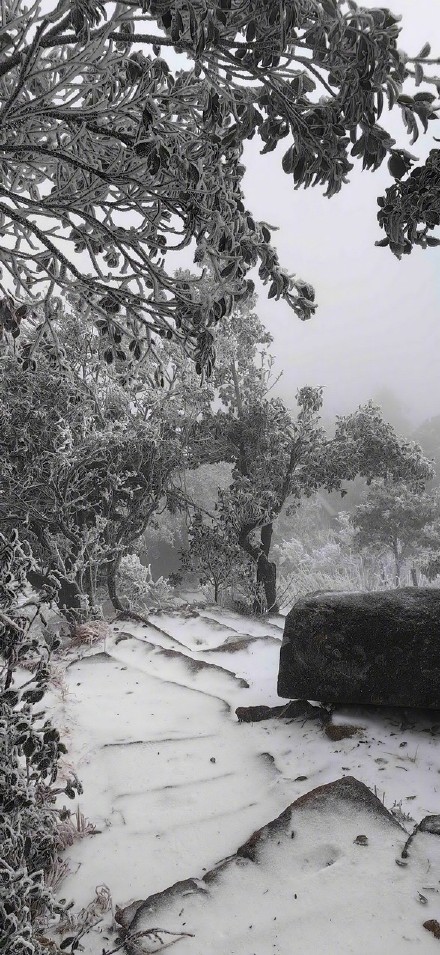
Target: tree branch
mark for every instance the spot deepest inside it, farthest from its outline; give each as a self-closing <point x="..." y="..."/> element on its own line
<point x="175" y="492"/>
<point x="430" y="61"/>
<point x="70" y="38"/>
<point x="21" y="79"/>
<point x="9" y="622"/>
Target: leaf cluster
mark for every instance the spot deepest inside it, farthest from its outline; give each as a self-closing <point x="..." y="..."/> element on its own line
<point x="30" y="750"/>
<point x="367" y="445"/>
<point x="410" y="210"/>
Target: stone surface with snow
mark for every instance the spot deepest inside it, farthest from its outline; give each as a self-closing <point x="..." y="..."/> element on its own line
<point x="322" y="876"/>
<point x="381" y="647"/>
<point x="174" y="783"/>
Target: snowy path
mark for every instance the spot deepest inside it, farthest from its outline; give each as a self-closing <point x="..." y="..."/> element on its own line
<point x="174" y="783"/>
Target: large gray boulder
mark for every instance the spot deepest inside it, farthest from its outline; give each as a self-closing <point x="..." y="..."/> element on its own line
<point x="378" y="648"/>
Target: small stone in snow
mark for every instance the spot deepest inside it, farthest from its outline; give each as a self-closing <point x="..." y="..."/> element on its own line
<point x="361" y="840"/>
<point x="212" y="760"/>
<point x="336" y="732"/>
<point x="433" y="926"/>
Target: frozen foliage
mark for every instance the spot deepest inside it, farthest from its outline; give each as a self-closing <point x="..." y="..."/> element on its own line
<point x="329" y="567"/>
<point x="322" y="555"/>
<point x="115" y="152"/>
<point x="218" y="560"/>
<point x="30" y="749"/>
<point x="137" y="585"/>
<point x="84" y="472"/>
<point x="410" y="210"/>
<point x="400" y="521"/>
<point x="90" y="632"/>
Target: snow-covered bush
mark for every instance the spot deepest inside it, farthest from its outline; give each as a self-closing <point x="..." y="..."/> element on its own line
<point x="135" y="583"/>
<point x="331" y="563"/>
<point x="30" y="749"/>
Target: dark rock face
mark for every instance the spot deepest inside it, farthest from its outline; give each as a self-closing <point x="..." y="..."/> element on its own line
<point x="379" y="648"/>
<point x="296" y="709"/>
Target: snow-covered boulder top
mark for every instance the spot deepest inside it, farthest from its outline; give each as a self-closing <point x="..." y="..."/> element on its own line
<point x="381" y="647"/>
<point x="321" y="877"/>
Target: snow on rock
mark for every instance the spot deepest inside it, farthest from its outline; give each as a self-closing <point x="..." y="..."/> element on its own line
<point x="323" y="873"/>
<point x="252" y="659"/>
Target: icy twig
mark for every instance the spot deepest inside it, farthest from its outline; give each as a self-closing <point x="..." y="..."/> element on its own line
<point x="155" y="933"/>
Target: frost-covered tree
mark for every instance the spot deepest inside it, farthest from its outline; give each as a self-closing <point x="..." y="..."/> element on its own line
<point x="122" y="134"/>
<point x="136" y="583"/>
<point x="84" y="468"/>
<point x="428" y="435"/>
<point x="277" y="459"/>
<point x="398" y="519"/>
<point x="216" y="558"/>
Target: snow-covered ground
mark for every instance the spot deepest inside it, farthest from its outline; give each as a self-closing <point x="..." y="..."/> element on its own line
<point x="174" y="784"/>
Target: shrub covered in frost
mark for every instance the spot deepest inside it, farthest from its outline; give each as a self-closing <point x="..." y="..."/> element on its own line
<point x="136" y="584"/>
<point x="30" y="749"/>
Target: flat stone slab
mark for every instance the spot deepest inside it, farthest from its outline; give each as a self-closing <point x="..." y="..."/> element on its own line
<point x="295" y="710"/>
<point x="380" y="648"/>
<point x="322" y="876"/>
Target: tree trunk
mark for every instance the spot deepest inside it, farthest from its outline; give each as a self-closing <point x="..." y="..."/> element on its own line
<point x="266" y="573"/>
<point x="266" y="569"/>
<point x="398" y="564"/>
<point x="414" y="578"/>
<point x="112" y="570"/>
<point x="90" y="586"/>
<point x="266" y="537"/>
<point x="215" y="592"/>
<point x="267" y="576"/>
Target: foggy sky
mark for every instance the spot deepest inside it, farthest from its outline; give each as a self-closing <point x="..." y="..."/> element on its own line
<point x="378" y="321"/>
